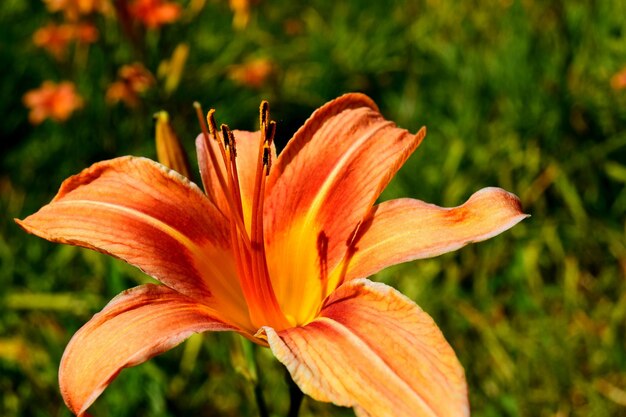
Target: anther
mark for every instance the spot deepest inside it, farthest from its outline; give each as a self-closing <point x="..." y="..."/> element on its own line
<point x="270" y="132"/>
<point x="267" y="159"/>
<point x="210" y="119"/>
<point x="264" y="111"/>
<point x="226" y="137"/>
<point x="233" y="145"/>
<point x="229" y="140"/>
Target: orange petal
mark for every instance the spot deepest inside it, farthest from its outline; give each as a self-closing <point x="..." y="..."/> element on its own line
<point x="135" y="326"/>
<point x="322" y="185"/>
<point x="247" y="145"/>
<point x="403" y="230"/>
<point x="151" y="217"/>
<point x="374" y="349"/>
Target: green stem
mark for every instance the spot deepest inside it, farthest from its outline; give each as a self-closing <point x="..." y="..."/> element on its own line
<point x="260" y="401"/>
<point x="295" y="395"/>
<point x="253" y="368"/>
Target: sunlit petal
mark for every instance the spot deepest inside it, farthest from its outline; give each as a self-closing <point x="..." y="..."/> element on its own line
<point x="405" y="229"/>
<point x="321" y="187"/>
<point x="135" y="326"/>
<point x="374" y="349"/>
<point x="151" y="217"/>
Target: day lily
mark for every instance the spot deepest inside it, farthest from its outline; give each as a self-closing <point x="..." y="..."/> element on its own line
<point x="132" y="81"/>
<point x="253" y="73"/>
<point x="618" y="80"/>
<point x="155" y="13"/>
<point x="73" y="9"/>
<point x="277" y="252"/>
<point x="55" y="38"/>
<point x="52" y="100"/>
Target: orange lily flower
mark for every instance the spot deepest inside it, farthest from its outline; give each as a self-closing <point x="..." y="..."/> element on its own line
<point x="618" y="80"/>
<point x="55" y="38"/>
<point x="278" y="254"/>
<point x="155" y="13"/>
<point x="73" y="9"/>
<point x="133" y="80"/>
<point x="253" y="73"/>
<point x="51" y="100"/>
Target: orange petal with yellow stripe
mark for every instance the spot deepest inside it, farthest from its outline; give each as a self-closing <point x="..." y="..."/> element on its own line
<point x="135" y="326"/>
<point x="374" y="349"/>
<point x="322" y="185"/>
<point x="153" y="218"/>
<point x="405" y="229"/>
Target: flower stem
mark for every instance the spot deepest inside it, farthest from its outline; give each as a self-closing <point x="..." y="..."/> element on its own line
<point x="253" y="369"/>
<point x="260" y="401"/>
<point x="295" y="395"/>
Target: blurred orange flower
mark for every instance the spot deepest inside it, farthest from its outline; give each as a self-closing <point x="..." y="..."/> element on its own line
<point x="618" y="81"/>
<point x="254" y="73"/>
<point x="51" y="100"/>
<point x="85" y="32"/>
<point x="72" y="9"/>
<point x="55" y="38"/>
<point x="154" y="13"/>
<point x="133" y="80"/>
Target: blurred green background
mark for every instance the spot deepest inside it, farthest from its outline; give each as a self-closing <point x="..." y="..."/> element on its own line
<point x="521" y="94"/>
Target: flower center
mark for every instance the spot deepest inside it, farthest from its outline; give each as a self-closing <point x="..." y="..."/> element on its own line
<point x="248" y="248"/>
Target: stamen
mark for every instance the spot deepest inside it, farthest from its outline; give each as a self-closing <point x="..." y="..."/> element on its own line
<point x="210" y="119"/>
<point x="267" y="159"/>
<point x="207" y="145"/>
<point x="231" y="167"/>
<point x="248" y="249"/>
<point x="270" y="132"/>
<point x="271" y="309"/>
<point x="226" y="135"/>
<point x="220" y="177"/>
<point x="231" y="141"/>
<point x="264" y="114"/>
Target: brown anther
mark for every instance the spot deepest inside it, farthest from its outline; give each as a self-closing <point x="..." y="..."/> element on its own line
<point x="267" y="159"/>
<point x="225" y="135"/>
<point x="229" y="140"/>
<point x="270" y="132"/>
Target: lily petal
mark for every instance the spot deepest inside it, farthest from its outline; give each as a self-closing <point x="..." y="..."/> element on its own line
<point x="151" y="217"/>
<point x="374" y="349"/>
<point x="135" y="326"/>
<point x="405" y="229"/>
<point x="322" y="185"/>
<point x="247" y="145"/>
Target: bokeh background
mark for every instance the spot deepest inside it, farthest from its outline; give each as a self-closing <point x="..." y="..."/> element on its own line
<point x="527" y="95"/>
